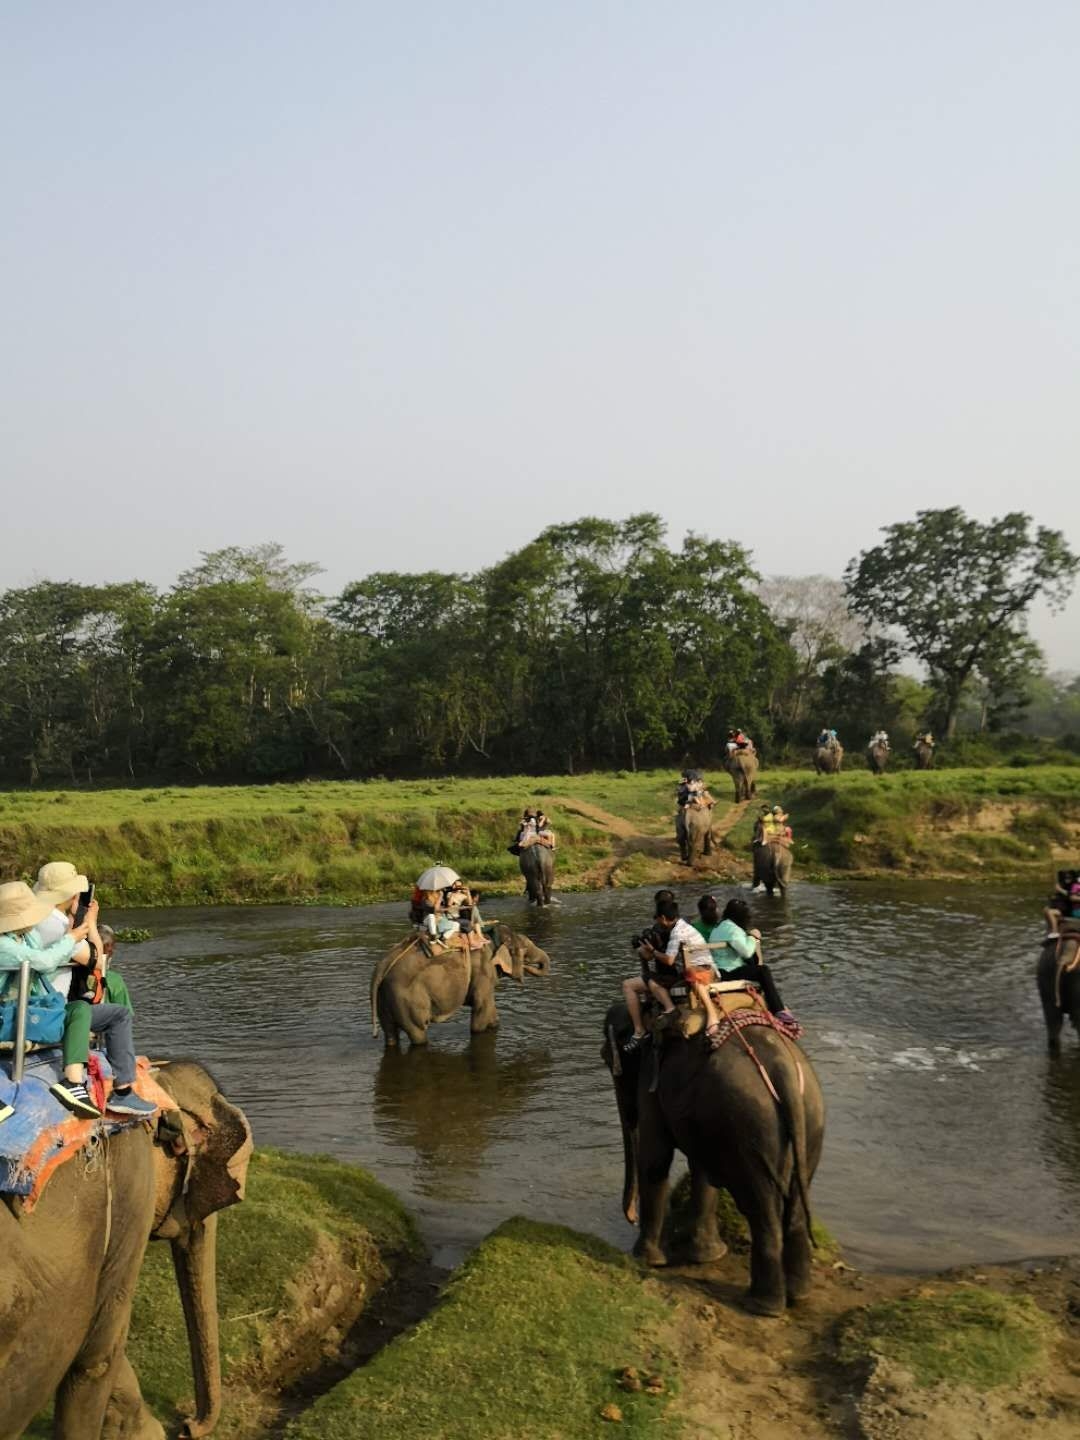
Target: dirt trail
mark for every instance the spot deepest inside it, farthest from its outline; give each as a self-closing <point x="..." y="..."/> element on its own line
<point x="630" y="841"/>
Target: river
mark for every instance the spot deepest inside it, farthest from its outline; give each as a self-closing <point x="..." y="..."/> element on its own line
<point x="951" y="1136"/>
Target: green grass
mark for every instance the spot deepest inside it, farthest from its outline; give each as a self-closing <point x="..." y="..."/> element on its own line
<point x="961" y="1336"/>
<point x="526" y="1341"/>
<point x="348" y="842"/>
<point x="303" y="1216"/>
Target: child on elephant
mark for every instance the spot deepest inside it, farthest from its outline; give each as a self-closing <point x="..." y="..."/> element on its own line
<point x="736" y="935"/>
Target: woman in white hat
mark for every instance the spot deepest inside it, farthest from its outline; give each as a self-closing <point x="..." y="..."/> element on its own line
<point x="20" y="911"/>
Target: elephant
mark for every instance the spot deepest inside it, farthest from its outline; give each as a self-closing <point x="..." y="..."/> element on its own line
<point x="877" y="757"/>
<point x="828" y="759"/>
<point x="538" y="867"/>
<point x="693" y="831"/>
<point x="772" y="867"/>
<point x="715" y="1106"/>
<point x="1059" y="989"/>
<point x="924" y="755"/>
<point x="70" y="1265"/>
<point x="411" y="989"/>
<point x="742" y="766"/>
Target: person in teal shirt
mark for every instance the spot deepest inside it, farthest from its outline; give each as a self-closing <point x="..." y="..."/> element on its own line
<point x="740" y="957"/>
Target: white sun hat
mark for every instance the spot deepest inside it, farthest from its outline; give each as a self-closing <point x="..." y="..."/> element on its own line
<point x="58" y="882"/>
<point x="20" y="908"/>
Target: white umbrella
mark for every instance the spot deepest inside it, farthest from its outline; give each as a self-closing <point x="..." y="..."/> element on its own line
<point x="437" y="878"/>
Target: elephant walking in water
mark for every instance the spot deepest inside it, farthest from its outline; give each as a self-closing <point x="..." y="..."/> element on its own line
<point x="70" y="1267"/>
<point x="742" y="766"/>
<point x="537" y="864"/>
<point x="772" y="866"/>
<point x="761" y="1144"/>
<point x="829" y="758"/>
<point x="412" y="989"/>
<point x="1059" y="986"/>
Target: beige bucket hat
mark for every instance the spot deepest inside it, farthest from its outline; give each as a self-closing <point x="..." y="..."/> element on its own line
<point x="20" y="908"/>
<point x="58" y="882"/>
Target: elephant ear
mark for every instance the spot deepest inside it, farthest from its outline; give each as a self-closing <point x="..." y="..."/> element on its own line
<point x="219" y="1146"/>
<point x="502" y="961"/>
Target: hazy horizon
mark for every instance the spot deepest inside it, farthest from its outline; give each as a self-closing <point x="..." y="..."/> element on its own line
<point x="400" y="289"/>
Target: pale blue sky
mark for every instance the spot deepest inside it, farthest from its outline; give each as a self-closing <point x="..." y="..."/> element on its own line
<point x="398" y="286"/>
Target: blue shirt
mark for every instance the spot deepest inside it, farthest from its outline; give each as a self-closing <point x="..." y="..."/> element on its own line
<point x="14" y="949"/>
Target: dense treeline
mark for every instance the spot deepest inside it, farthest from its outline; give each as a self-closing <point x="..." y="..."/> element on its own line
<point x="597" y="645"/>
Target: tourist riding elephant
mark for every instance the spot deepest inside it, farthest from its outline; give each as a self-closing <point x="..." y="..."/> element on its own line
<point x="1059" y="987"/>
<point x="877" y="757"/>
<point x="70" y="1265"/>
<point x="693" y="831"/>
<point x="742" y="766"/>
<point x="829" y="758"/>
<point x="772" y="867"/>
<point x="924" y="755"/>
<point x="538" y="867"/>
<point x="716" y="1107"/>
<point x="412" y="989"/>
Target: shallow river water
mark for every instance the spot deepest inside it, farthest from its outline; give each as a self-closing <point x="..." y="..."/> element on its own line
<point x="951" y="1136"/>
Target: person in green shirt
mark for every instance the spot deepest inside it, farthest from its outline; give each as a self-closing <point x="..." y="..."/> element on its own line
<point x="708" y="916"/>
<point x="736" y="948"/>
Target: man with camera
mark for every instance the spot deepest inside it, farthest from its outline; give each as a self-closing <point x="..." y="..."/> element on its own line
<point x="671" y="952"/>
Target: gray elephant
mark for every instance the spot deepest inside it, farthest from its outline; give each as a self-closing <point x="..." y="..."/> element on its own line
<point x="742" y="766"/>
<point x="1059" y="987"/>
<point x="772" y="867"/>
<point x="538" y="867"/>
<point x="828" y="759"/>
<point x="924" y="755"/>
<point x="412" y="989"/>
<point x="715" y="1106"/>
<point x="693" y="831"/>
<point x="877" y="757"/>
<point x="71" y="1264"/>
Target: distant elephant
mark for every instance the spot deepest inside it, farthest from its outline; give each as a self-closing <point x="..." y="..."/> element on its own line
<point x="924" y="755"/>
<point x="714" y="1106"/>
<point x="70" y="1266"/>
<point x="828" y="759"/>
<point x="693" y="831"/>
<point x="877" y="757"/>
<point x="742" y="766"/>
<point x="772" y="867"/>
<point x="1059" y="992"/>
<point x="411" y="989"/>
<point x="538" y="866"/>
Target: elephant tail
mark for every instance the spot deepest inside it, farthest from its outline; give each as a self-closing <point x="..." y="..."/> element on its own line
<point x="793" y="1109"/>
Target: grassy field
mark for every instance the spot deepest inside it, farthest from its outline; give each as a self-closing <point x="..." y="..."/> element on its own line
<point x="350" y="842"/>
<point x="527" y="1340"/>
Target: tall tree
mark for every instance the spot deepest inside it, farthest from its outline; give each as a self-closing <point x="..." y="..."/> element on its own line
<point x="957" y="590"/>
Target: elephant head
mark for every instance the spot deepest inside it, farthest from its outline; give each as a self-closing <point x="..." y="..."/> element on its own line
<point x="201" y="1158"/>
<point x="519" y="952"/>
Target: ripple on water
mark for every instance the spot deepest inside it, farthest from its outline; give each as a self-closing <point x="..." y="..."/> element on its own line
<point x="945" y="1114"/>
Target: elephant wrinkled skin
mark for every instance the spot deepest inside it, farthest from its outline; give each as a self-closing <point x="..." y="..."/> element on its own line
<point x="742" y="766"/>
<point x="1059" y="994"/>
<point x="715" y="1107"/>
<point x="537" y="864"/>
<point x="69" y="1268"/>
<point x="411" y="990"/>
<point x="693" y="831"/>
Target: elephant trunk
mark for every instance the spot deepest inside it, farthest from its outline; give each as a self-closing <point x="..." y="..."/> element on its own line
<point x="194" y="1256"/>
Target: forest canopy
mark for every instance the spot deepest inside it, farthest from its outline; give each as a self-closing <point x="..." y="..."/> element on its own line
<point x="598" y="644"/>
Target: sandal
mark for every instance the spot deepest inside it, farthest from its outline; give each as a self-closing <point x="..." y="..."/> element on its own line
<point x="634" y="1043"/>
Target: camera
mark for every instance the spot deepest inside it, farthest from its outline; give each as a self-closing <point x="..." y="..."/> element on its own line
<point x="636" y="941"/>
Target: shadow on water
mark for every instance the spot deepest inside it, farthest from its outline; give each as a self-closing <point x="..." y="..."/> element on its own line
<point x="451" y="1106"/>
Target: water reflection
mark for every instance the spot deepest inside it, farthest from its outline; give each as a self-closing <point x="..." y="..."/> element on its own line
<point x="945" y="1116"/>
<point x="451" y="1107"/>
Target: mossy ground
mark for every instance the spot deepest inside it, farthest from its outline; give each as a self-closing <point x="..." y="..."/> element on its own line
<point x="352" y="842"/>
<point x="305" y="1219"/>
<point x="526" y="1341"/>
<point x="960" y="1336"/>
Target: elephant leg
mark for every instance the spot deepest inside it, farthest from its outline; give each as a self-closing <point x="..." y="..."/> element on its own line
<point x="705" y="1244"/>
<point x="482" y="1000"/>
<point x="388" y="1022"/>
<point x="767" y="1294"/>
<point x="797" y="1248"/>
<point x="127" y="1416"/>
<point x="656" y="1150"/>
<point x="1053" y="1017"/>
